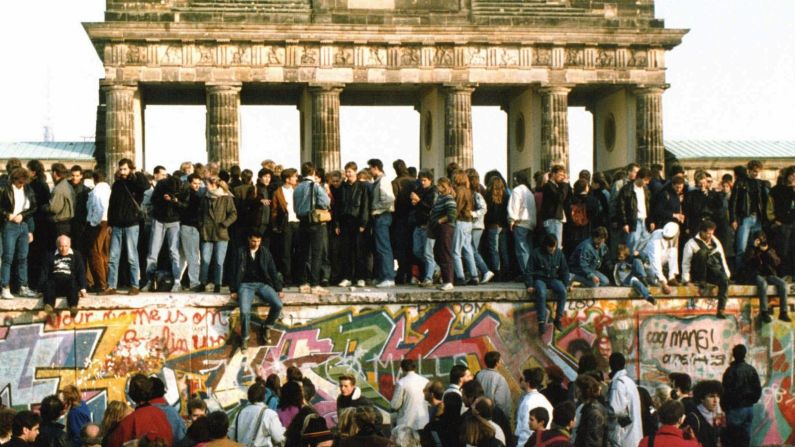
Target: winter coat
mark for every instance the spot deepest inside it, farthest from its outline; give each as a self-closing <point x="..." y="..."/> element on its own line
<point x="758" y="262"/>
<point x="556" y="198"/>
<point x="626" y="423"/>
<point x="741" y="387"/>
<point x="245" y="202"/>
<point x="354" y="400"/>
<point x="669" y="436"/>
<point x="62" y="202"/>
<point x="664" y="205"/>
<point x="217" y="214"/>
<point x="546" y="267"/>
<point x="496" y="388"/>
<point x="145" y="419"/>
<point x="422" y="210"/>
<point x="261" y="213"/>
<point x="745" y="192"/>
<point x="627" y="206"/>
<point x="782" y="204"/>
<point x="52" y="434"/>
<point x="126" y="197"/>
<point x="7" y="204"/>
<point x="587" y="259"/>
<point x="409" y="401"/>
<point x="266" y="264"/>
<point x="592" y="426"/>
<point x="166" y="211"/>
<point x="353" y="203"/>
<point x="700" y="206"/>
<point x="556" y="437"/>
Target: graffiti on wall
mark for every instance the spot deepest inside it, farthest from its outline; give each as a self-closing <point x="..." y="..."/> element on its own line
<point x="187" y="346"/>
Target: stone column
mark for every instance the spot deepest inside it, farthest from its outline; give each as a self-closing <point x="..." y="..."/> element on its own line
<point x="458" y="126"/>
<point x="554" y="127"/>
<point x="326" y="126"/>
<point x="119" y="125"/>
<point x="649" y="126"/>
<point x="100" y="149"/>
<point x="223" y="124"/>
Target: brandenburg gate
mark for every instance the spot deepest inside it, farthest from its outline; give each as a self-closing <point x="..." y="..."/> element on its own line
<point x="533" y="58"/>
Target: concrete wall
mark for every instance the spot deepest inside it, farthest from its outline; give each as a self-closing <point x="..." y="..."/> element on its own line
<point x="184" y="340"/>
<point x="622" y="105"/>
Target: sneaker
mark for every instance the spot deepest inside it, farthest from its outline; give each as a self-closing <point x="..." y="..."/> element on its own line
<point x="197" y="289"/>
<point x="50" y="312"/>
<point x="25" y="292"/>
<point x="427" y="283"/>
<point x="73" y="311"/>
<point x="108" y="292"/>
<point x="557" y="325"/>
<point x="650" y="299"/>
<point x="473" y="281"/>
<point x="446" y="287"/>
<point x="344" y="283"/>
<point x="385" y="283"/>
<point x="217" y="289"/>
<point x="488" y="276"/>
<point x="319" y="290"/>
<point x="784" y="317"/>
<point x="134" y="291"/>
<point x="765" y="317"/>
<point x="304" y="288"/>
<point x="361" y="283"/>
<point x="177" y="288"/>
<point x="7" y="294"/>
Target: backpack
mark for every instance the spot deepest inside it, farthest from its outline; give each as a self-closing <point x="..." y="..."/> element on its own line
<point x="579" y="214"/>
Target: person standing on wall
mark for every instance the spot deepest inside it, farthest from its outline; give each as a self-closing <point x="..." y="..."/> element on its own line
<point x="124" y="217"/>
<point x="382" y="206"/>
<point x="313" y="235"/>
<point x="17" y="208"/>
<point x="61" y="207"/>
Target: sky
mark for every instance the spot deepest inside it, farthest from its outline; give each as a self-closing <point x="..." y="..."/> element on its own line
<point x="733" y="77"/>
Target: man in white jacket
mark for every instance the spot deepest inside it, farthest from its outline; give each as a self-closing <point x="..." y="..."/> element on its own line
<point x="625" y="425"/>
<point x="409" y="397"/>
<point x="522" y="218"/>
<point x="532" y="380"/>
<point x="256" y="425"/>
<point x="704" y="261"/>
<point x="660" y="250"/>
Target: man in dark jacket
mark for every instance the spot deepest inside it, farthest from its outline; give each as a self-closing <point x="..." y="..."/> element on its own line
<point x="422" y="199"/>
<point x="63" y="274"/>
<point x="351" y="214"/>
<point x="17" y="208"/>
<point x="633" y="209"/>
<point x="556" y="198"/>
<point x="80" y="218"/>
<point x="24" y="429"/>
<point x="759" y="269"/>
<point x="189" y="238"/>
<point x="781" y="214"/>
<point x="51" y="432"/>
<point x="257" y="276"/>
<point x="702" y="418"/>
<point x="560" y="433"/>
<point x="741" y="390"/>
<point x="747" y="205"/>
<point x="547" y="268"/>
<point x="590" y="258"/>
<point x="124" y="218"/>
<point x="350" y="394"/>
<point x="165" y="225"/>
<point x="667" y="204"/>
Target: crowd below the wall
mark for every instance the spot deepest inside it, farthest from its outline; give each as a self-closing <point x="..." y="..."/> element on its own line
<point x="356" y="228"/>
<point x="601" y="408"/>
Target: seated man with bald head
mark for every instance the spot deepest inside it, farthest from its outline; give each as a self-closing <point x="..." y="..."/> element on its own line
<point x="63" y="274"/>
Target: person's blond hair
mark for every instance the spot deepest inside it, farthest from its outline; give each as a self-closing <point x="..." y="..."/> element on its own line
<point x="70" y="393"/>
<point x="114" y="413"/>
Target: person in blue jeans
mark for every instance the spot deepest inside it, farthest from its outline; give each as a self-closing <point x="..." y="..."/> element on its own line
<point x="589" y="258"/>
<point x="547" y="269"/>
<point x="257" y="276"/>
<point x="747" y="206"/>
<point x="17" y="206"/>
<point x="741" y="391"/>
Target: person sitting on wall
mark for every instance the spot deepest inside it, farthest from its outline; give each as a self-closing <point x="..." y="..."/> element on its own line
<point x="547" y="268"/>
<point x="659" y="251"/>
<point x="257" y="276"/>
<point x="590" y="256"/>
<point x="704" y="261"/>
<point x="63" y="274"/>
<point x="759" y="268"/>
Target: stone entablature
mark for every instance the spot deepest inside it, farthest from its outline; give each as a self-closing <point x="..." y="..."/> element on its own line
<point x="332" y="54"/>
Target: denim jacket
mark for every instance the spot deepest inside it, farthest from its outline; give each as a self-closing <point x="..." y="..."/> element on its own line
<point x="587" y="259"/>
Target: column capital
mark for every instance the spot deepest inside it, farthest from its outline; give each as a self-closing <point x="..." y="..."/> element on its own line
<point x="328" y="88"/>
<point x="459" y="87"/>
<point x="106" y="85"/>
<point x="555" y="89"/>
<point x="650" y="89"/>
<point x="220" y="87"/>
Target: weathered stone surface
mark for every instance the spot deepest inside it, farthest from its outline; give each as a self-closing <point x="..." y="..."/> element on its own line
<point x="649" y="130"/>
<point x="458" y="125"/>
<point x="554" y="127"/>
<point x="119" y="125"/>
<point x="326" y="126"/>
<point x="223" y="124"/>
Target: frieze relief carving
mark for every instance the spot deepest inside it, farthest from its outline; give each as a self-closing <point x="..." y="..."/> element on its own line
<point x="172" y="55"/>
<point x="343" y="57"/>
<point x="606" y="58"/>
<point x="376" y="56"/>
<point x="136" y="55"/>
<point x="575" y="57"/>
<point x="239" y="55"/>
<point x="443" y="56"/>
<point x="308" y="55"/>
<point x="542" y="56"/>
<point x="409" y="57"/>
<point x="637" y="58"/>
<point x="507" y="57"/>
<point x="275" y="55"/>
<point x="476" y="56"/>
<point x="206" y="55"/>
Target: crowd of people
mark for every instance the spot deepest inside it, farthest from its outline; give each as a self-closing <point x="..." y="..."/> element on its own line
<point x="355" y="228"/>
<point x="599" y="409"/>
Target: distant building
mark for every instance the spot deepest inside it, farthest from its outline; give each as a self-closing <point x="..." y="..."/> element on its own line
<point x="69" y="153"/>
<point x="721" y="156"/>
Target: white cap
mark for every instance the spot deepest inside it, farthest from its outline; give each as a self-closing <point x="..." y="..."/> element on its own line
<point x="670" y="230"/>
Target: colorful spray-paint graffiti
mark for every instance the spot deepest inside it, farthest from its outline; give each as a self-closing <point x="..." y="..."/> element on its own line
<point x="187" y="346"/>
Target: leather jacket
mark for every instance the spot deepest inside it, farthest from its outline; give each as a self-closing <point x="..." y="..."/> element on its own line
<point x="7" y="204"/>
